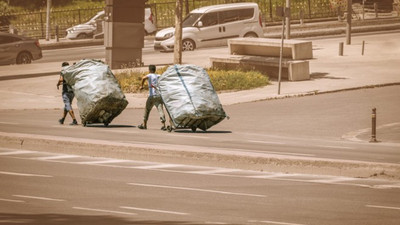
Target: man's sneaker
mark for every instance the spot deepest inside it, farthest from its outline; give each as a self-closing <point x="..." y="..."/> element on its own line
<point x="74" y="122"/>
<point x="61" y="121"/>
<point x="142" y="127"/>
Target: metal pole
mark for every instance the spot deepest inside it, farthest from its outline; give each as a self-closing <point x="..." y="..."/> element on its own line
<point x="373" y="131"/>
<point x="280" y="56"/>
<point x="287" y="19"/>
<point x="341" y="49"/>
<point x="362" y="49"/>
<point x="348" y="26"/>
<point x="48" y="20"/>
<point x="376" y="9"/>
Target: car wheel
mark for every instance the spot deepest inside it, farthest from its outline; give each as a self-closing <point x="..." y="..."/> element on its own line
<point x="188" y="45"/>
<point x="251" y="35"/>
<point x="82" y="36"/>
<point x="24" y="58"/>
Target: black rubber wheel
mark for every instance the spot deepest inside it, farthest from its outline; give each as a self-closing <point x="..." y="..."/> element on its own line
<point x="106" y="124"/>
<point x="24" y="58"/>
<point x="194" y="129"/>
<point x="82" y="36"/>
<point x="251" y="35"/>
<point x="188" y="45"/>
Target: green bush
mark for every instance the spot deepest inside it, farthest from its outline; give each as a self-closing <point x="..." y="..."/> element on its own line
<point x="221" y="80"/>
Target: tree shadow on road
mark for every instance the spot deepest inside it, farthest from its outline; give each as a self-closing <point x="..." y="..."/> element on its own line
<point x="64" y="219"/>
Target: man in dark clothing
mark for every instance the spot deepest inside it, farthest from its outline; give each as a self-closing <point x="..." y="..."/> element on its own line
<point x="67" y="96"/>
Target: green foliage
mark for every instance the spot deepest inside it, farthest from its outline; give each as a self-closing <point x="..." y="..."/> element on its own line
<point x="130" y="81"/>
<point x="237" y="80"/>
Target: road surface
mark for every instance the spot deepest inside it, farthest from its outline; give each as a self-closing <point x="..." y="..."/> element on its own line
<point x="44" y="188"/>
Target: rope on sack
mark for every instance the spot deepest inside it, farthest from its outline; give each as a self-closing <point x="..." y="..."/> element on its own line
<point x="187" y="91"/>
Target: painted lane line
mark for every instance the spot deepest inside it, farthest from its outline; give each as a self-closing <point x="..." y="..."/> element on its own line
<point x="267" y="142"/>
<point x="158" y="166"/>
<point x="334" y="147"/>
<point x="215" y="171"/>
<point x="274" y="222"/>
<point x="57" y="157"/>
<point x="196" y="189"/>
<point x="39" y="198"/>
<point x="153" y="210"/>
<point x="17" y="152"/>
<point x="334" y="180"/>
<point x="102" y="162"/>
<point x="11" y="200"/>
<point x="105" y="211"/>
<point x="23" y="174"/>
<point x="9" y="123"/>
<point x="277" y="175"/>
<point x="383" y="207"/>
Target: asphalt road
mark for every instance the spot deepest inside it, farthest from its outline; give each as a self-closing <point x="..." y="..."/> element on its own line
<point x="320" y="126"/>
<point x="44" y="188"/>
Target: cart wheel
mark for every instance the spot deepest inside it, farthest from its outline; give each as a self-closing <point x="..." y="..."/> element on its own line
<point x="169" y="128"/>
<point x="194" y="129"/>
<point x="106" y="124"/>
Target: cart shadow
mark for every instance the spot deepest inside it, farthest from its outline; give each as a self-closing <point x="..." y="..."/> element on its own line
<point x="204" y="132"/>
<point x="109" y="126"/>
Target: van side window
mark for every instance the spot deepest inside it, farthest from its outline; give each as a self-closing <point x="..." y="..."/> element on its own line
<point x="8" y="39"/>
<point x="209" y="19"/>
<point x="246" y="14"/>
<point x="228" y="16"/>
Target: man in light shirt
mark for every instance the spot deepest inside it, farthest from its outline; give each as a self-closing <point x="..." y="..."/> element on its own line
<point x="154" y="98"/>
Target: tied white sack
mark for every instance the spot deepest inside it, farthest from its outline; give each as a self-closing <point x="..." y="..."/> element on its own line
<point x="190" y="97"/>
<point x="98" y="93"/>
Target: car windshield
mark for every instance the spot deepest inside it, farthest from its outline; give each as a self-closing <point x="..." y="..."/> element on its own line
<point x="191" y="19"/>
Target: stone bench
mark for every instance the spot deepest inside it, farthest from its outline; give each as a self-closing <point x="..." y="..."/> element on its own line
<point x="292" y="49"/>
<point x="292" y="70"/>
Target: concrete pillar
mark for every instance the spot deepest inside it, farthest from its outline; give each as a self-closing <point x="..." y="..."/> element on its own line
<point x="124" y="33"/>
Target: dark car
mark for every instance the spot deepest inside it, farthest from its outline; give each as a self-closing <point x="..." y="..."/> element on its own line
<point x="16" y="49"/>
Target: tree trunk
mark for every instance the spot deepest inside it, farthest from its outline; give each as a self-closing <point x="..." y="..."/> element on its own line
<point x="178" y="33"/>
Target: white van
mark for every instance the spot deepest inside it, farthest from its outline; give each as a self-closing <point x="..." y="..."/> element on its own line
<point x="213" y="26"/>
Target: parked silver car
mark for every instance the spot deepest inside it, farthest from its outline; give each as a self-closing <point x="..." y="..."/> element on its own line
<point x="86" y="30"/>
<point x="17" y="49"/>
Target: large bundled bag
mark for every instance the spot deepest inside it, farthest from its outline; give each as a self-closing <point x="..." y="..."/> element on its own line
<point x="190" y="98"/>
<point x="98" y="93"/>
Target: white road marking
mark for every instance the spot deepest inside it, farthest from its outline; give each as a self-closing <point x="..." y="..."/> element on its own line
<point x="215" y="171"/>
<point x="9" y="123"/>
<point x="196" y="189"/>
<point x="11" y="200"/>
<point x="17" y="152"/>
<point x="23" y="174"/>
<point x="57" y="157"/>
<point x="383" y="207"/>
<point x="273" y="175"/>
<point x="154" y="210"/>
<point x="334" y="180"/>
<point x="103" y="162"/>
<point x="158" y="166"/>
<point x="334" y="147"/>
<point x="39" y="198"/>
<point x="266" y="142"/>
<point x="274" y="222"/>
<point x="105" y="211"/>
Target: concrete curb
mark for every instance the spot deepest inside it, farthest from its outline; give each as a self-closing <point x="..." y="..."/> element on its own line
<point x="199" y="156"/>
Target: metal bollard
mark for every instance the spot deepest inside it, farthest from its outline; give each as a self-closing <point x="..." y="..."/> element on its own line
<point x="341" y="44"/>
<point x="57" y="34"/>
<point x="373" y="131"/>
<point x="362" y="48"/>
